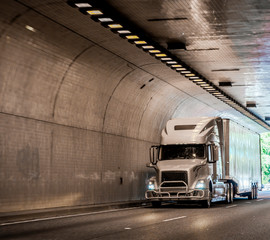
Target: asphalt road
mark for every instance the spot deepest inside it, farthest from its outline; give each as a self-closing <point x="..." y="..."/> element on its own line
<point x="244" y="219"/>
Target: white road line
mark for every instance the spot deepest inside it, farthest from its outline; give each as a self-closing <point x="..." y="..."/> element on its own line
<point x="65" y="216"/>
<point x="171" y="219"/>
<point x="259" y="200"/>
<point x="248" y="202"/>
<point x="231" y="206"/>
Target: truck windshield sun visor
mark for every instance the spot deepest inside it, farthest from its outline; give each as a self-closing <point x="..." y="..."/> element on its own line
<point x="184" y="151"/>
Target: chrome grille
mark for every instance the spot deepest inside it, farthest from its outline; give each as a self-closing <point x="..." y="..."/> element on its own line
<point x="174" y="176"/>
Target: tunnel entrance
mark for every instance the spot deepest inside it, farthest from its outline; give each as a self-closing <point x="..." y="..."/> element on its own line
<point x="265" y="158"/>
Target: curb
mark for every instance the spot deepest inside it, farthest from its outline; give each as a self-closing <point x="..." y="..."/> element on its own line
<point x="10" y="217"/>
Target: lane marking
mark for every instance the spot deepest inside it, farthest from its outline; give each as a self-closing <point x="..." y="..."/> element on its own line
<point x="66" y="216"/>
<point x="172" y="219"/>
<point x="127" y="228"/>
<point x="248" y="202"/>
<point x="259" y="200"/>
<point x="231" y="206"/>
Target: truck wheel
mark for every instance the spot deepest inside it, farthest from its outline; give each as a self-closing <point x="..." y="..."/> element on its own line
<point x="256" y="193"/>
<point x="228" y="193"/>
<point x="156" y="204"/>
<point x="206" y="203"/>
<point x="231" y="193"/>
<point x="251" y="194"/>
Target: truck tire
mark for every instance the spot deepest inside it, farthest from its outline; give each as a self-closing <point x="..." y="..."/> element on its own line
<point x="206" y="203"/>
<point x="228" y="193"/>
<point x="256" y="192"/>
<point x="251" y="194"/>
<point x="231" y="193"/>
<point x="156" y="204"/>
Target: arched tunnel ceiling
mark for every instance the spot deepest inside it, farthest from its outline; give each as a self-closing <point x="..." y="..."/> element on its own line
<point x="225" y="41"/>
<point x="80" y="106"/>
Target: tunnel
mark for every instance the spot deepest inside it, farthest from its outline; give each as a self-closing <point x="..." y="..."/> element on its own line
<point x="80" y="107"/>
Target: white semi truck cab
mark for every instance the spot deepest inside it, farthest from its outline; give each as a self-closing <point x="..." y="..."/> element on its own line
<point x="192" y="163"/>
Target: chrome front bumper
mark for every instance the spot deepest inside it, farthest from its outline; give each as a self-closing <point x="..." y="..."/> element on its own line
<point x="176" y="193"/>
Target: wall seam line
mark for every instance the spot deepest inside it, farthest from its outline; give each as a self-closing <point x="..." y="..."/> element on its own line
<point x="74" y="127"/>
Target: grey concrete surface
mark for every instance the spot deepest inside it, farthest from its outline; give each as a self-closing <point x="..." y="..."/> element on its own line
<point x="244" y="219"/>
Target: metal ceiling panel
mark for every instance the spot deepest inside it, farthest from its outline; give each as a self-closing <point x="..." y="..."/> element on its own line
<point x="225" y="40"/>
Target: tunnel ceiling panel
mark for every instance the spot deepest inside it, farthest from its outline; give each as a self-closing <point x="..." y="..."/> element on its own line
<point x="224" y="41"/>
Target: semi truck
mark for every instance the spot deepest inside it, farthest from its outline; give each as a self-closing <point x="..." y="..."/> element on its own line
<point x="205" y="160"/>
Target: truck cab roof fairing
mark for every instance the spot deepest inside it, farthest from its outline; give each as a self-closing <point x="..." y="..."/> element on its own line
<point x="187" y="130"/>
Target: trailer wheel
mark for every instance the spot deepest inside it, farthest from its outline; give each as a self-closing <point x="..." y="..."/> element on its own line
<point x="251" y="194"/>
<point x="156" y="204"/>
<point x="256" y="192"/>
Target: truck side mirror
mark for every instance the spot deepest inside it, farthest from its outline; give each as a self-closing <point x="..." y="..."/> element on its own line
<point x="216" y="153"/>
<point x="154" y="153"/>
<point x="211" y="156"/>
<point x="150" y="165"/>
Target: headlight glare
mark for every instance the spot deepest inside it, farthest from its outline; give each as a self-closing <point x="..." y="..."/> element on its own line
<point x="151" y="186"/>
<point x="200" y="184"/>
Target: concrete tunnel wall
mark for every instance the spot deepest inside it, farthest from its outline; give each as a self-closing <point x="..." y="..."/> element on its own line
<point x="75" y="123"/>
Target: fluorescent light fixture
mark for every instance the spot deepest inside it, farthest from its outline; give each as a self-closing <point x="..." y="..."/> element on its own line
<point x="250" y="104"/>
<point x="222" y="96"/>
<point x="30" y="28"/>
<point x="198" y="80"/>
<point x="165" y="59"/>
<point x="181" y="69"/>
<point x="176" y="45"/>
<point x="147" y="47"/>
<point x="218" y="94"/>
<point x="140" y="42"/>
<point x="132" y="37"/>
<point x="115" y="26"/>
<point x="172" y="62"/>
<point x="105" y="19"/>
<point x="124" y="31"/>
<point x="160" y="55"/>
<point x="94" y="12"/>
<point x="82" y="5"/>
<point x="97" y="14"/>
<point x="225" y="84"/>
<point x="154" y="51"/>
<point x="201" y="82"/>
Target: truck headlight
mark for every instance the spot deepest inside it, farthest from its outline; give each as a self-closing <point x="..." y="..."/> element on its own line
<point x="151" y="186"/>
<point x="200" y="184"/>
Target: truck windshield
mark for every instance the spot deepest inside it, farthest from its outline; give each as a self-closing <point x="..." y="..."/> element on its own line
<point x="169" y="152"/>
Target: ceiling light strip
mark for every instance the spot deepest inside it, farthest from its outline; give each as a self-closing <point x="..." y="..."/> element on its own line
<point x="101" y="12"/>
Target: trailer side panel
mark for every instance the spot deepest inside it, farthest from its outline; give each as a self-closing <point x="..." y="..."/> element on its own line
<point x="242" y="148"/>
